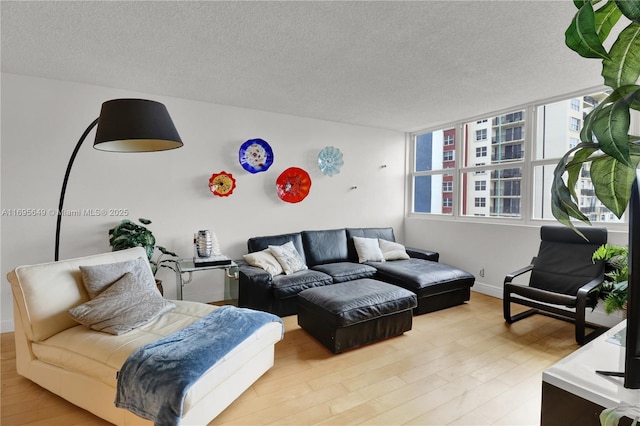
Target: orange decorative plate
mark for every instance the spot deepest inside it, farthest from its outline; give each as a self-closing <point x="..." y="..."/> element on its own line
<point x="222" y="184"/>
<point x="293" y="185"/>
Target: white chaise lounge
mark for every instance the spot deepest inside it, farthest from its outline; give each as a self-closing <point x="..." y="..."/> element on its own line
<point x="80" y="364"/>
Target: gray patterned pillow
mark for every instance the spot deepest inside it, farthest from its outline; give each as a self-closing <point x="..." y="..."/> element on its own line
<point x="129" y="303"/>
<point x="97" y="278"/>
<point x="288" y="257"/>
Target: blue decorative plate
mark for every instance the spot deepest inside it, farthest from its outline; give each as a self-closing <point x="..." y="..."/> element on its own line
<point x="330" y="160"/>
<point x="255" y="156"/>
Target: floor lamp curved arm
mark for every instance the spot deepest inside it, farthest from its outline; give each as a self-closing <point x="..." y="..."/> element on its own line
<point x="64" y="183"/>
<point x="125" y="125"/>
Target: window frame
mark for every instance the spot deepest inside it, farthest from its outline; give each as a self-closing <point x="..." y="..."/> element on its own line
<point x="528" y="164"/>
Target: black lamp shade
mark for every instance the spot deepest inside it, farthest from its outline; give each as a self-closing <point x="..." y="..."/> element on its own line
<point x="135" y="125"/>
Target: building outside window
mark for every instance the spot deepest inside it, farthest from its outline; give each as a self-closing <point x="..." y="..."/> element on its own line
<point x="515" y="147"/>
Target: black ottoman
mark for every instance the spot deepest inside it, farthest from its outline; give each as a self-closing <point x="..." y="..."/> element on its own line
<point x="347" y="315"/>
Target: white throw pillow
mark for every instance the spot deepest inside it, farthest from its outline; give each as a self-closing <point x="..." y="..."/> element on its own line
<point x="368" y="250"/>
<point x="288" y="257"/>
<point x="392" y="251"/>
<point x="127" y="304"/>
<point x="264" y="260"/>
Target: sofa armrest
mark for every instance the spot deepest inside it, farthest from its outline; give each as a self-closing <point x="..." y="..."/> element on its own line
<point x="433" y="256"/>
<point x="254" y="286"/>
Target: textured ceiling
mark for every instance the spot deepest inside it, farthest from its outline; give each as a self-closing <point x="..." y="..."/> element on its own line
<point x="396" y="65"/>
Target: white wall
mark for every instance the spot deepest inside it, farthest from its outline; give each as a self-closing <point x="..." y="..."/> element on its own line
<point x="498" y="249"/>
<point x="43" y="119"/>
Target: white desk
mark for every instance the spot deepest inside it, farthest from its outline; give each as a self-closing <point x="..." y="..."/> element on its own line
<point x="575" y="378"/>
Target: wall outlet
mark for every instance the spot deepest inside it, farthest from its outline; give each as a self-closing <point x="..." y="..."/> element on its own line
<point x="482" y="272"/>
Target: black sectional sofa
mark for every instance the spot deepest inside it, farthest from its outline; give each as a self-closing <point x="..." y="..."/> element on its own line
<point x="332" y="258"/>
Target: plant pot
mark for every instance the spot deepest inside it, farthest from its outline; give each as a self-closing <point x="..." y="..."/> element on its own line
<point x="159" y="287"/>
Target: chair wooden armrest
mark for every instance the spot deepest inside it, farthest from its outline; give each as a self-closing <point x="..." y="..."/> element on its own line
<point x="509" y="277"/>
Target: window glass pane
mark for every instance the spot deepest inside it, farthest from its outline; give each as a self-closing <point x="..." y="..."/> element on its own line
<point x="559" y="124"/>
<point x="589" y="205"/>
<point x="492" y="193"/>
<point x="501" y="136"/>
<point x="435" y="150"/>
<point x="432" y="194"/>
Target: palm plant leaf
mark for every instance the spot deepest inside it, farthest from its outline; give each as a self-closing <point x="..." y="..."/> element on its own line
<point x="605" y="19"/>
<point x="630" y="9"/>
<point x="611" y="128"/>
<point x="581" y="36"/>
<point x="623" y="65"/>
<point x="612" y="182"/>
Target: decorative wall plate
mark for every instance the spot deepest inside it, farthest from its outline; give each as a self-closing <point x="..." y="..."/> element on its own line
<point x="255" y="155"/>
<point x="293" y="185"/>
<point x="222" y="184"/>
<point x="330" y="160"/>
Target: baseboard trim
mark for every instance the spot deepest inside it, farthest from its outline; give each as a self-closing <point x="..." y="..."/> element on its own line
<point x="487" y="289"/>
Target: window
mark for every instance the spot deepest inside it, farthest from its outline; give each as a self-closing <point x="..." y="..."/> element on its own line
<point x="574" y="124"/>
<point x="481" y="185"/>
<point x="448" y="140"/>
<point x="506" y="165"/>
<point x="551" y="141"/>
<point x="575" y="104"/>
<point x="432" y="168"/>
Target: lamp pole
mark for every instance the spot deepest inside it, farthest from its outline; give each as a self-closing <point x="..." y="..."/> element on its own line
<point x="64" y="185"/>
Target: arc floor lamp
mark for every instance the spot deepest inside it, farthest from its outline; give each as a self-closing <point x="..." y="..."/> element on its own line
<point x="125" y="125"/>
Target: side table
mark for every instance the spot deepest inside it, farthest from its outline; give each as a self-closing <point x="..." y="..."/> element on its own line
<point x="187" y="266"/>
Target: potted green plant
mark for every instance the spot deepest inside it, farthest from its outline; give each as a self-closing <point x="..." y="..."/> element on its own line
<point x="614" y="289"/>
<point x="128" y="234"/>
<point x="605" y="140"/>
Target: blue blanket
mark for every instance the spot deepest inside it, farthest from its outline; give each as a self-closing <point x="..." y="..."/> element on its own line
<point x="155" y="379"/>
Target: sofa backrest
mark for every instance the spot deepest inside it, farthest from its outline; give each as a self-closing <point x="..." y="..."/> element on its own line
<point x="382" y="233"/>
<point x="328" y="246"/>
<point x="43" y="293"/>
<point x="260" y="243"/>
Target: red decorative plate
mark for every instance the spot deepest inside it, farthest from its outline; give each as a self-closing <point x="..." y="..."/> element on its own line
<point x="293" y="185"/>
<point x="222" y="184"/>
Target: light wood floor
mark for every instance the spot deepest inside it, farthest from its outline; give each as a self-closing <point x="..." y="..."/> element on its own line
<point x="460" y="366"/>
